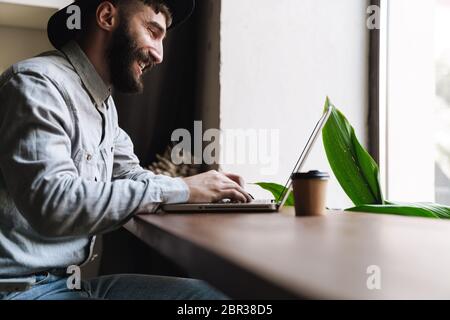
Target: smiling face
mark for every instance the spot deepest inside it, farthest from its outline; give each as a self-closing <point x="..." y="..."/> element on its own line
<point x="136" y="46"/>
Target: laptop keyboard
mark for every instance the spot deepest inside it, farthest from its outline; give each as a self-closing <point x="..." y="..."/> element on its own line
<point x="255" y="201"/>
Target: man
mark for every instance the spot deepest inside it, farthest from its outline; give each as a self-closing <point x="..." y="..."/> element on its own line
<point x="68" y="172"/>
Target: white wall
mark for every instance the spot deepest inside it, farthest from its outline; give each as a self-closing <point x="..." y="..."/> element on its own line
<point x="23" y="28"/>
<point x="19" y="44"/>
<point x="32" y="14"/>
<point x="279" y="60"/>
<point x="41" y="3"/>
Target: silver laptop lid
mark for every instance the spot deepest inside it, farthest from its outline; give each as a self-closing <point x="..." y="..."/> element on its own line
<point x="304" y="155"/>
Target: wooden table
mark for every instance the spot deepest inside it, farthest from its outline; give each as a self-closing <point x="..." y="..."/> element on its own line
<point x="278" y="255"/>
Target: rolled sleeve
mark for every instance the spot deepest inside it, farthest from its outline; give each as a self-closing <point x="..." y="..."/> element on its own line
<point x="174" y="190"/>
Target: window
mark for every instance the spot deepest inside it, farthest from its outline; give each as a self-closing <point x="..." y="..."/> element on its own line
<point x="442" y="100"/>
<point x="414" y="106"/>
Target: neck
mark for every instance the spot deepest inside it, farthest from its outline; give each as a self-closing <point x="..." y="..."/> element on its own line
<point x="95" y="49"/>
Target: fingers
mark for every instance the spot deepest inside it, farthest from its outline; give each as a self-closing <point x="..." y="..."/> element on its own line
<point x="235" y="186"/>
<point x="236" y="178"/>
<point x="227" y="182"/>
<point x="234" y="195"/>
<point x="238" y="184"/>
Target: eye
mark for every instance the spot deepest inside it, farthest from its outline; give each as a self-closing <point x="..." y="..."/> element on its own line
<point x="151" y="32"/>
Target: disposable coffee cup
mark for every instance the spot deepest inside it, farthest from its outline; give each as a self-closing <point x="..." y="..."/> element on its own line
<point x="310" y="193"/>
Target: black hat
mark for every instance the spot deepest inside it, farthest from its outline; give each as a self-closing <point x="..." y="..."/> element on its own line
<point x="59" y="34"/>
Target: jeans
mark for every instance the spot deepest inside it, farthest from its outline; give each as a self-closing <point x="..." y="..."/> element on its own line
<point x="117" y="287"/>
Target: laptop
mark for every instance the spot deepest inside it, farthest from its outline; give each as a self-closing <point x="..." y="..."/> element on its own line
<point x="273" y="205"/>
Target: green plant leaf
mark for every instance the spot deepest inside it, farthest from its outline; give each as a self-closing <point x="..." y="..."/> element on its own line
<point x="358" y="174"/>
<point x="277" y="190"/>
<point x="354" y="168"/>
<point x="429" y="210"/>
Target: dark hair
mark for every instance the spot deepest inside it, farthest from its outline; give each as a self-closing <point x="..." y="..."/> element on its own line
<point x="157" y="5"/>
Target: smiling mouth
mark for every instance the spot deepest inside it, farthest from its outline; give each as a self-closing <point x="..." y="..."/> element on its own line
<point x="143" y="66"/>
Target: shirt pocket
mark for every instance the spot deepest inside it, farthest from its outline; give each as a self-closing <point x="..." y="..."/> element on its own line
<point x="107" y="154"/>
<point x="87" y="164"/>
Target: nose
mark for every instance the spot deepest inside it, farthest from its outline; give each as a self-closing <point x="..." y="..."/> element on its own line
<point x="157" y="52"/>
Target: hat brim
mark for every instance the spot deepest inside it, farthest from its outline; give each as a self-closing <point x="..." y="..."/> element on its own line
<point x="181" y="10"/>
<point x="59" y="34"/>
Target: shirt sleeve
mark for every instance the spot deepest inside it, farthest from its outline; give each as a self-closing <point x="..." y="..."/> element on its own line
<point x="41" y="177"/>
<point x="126" y="166"/>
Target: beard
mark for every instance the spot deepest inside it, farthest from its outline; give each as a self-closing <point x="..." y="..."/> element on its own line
<point x="123" y="53"/>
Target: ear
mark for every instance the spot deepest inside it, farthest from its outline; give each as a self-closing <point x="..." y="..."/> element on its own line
<point x="107" y="16"/>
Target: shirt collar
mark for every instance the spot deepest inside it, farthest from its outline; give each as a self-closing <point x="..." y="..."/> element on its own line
<point x="94" y="84"/>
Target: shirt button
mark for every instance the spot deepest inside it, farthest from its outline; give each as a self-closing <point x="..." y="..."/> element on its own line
<point x="89" y="157"/>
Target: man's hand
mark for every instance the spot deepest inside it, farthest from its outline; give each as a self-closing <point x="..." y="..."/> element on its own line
<point x="214" y="186"/>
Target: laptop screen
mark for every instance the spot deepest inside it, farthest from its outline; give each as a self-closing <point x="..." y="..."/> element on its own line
<point x="305" y="153"/>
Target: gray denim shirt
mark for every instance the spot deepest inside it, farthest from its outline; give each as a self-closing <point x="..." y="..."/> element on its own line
<point x="67" y="171"/>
